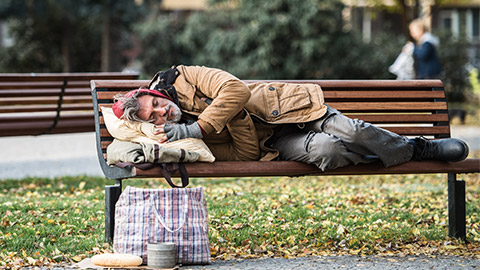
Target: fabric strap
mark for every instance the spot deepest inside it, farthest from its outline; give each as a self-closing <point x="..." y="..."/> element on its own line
<point x="162" y="220"/>
<point x="167" y="170"/>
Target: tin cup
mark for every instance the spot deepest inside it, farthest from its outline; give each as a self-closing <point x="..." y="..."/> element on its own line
<point x="161" y="255"/>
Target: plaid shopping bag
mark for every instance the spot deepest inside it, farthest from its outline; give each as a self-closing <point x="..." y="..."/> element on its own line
<point x="176" y="215"/>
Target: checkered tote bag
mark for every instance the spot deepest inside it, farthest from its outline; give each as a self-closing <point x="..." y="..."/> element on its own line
<point x="176" y="215"/>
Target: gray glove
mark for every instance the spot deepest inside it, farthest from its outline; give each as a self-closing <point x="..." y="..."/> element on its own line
<point x="182" y="131"/>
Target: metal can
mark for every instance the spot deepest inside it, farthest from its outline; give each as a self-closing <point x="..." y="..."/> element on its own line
<point x="162" y="255"/>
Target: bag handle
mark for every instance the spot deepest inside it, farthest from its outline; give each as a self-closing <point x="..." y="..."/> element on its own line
<point x="167" y="173"/>
<point x="162" y="220"/>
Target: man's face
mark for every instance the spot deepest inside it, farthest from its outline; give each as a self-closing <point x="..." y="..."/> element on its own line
<point x="158" y="110"/>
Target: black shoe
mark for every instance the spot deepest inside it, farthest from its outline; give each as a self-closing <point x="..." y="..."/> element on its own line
<point x="444" y="149"/>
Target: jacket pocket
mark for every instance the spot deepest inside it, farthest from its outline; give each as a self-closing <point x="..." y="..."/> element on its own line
<point x="282" y="98"/>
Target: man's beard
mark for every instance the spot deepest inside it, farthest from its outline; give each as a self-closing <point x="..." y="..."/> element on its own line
<point x="176" y="114"/>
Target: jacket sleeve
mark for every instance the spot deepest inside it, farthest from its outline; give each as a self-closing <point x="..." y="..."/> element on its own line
<point x="424" y="51"/>
<point x="244" y="143"/>
<point x="229" y="95"/>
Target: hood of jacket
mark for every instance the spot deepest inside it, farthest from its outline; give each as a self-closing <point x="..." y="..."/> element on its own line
<point x="428" y="37"/>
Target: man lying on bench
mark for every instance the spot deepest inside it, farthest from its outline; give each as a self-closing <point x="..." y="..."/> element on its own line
<point x="267" y="121"/>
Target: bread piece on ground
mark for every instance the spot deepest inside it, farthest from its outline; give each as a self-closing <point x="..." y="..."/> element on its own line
<point x="110" y="259"/>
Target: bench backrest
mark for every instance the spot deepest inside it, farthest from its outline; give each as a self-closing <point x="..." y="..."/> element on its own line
<point x="411" y="108"/>
<point x="34" y="104"/>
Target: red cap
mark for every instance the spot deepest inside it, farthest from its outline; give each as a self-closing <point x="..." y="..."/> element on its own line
<point x="118" y="106"/>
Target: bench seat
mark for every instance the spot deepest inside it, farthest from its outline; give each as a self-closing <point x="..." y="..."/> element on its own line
<point x="295" y="168"/>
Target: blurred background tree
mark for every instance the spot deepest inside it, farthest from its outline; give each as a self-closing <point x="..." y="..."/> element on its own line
<point x="276" y="39"/>
<point x="454" y="59"/>
<point x="67" y="36"/>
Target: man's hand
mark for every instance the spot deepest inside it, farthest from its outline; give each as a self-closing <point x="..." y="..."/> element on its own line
<point x="175" y="132"/>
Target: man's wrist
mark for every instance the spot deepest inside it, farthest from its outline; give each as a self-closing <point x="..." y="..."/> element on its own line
<point x="195" y="131"/>
<point x="201" y="129"/>
<point x="205" y="127"/>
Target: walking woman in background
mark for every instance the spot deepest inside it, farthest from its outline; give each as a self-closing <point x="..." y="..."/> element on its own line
<point x="427" y="64"/>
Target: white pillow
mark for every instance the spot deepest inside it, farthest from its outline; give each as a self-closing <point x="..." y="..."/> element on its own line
<point x="131" y="131"/>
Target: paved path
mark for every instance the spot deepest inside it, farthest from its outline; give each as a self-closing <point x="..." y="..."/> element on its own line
<point x="49" y="156"/>
<point x="330" y="263"/>
<point x="346" y="262"/>
<point x="75" y="154"/>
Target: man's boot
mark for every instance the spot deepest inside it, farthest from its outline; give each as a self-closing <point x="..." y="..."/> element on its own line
<point x="444" y="149"/>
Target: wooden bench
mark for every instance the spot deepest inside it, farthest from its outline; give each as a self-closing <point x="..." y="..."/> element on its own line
<point x="41" y="103"/>
<point x="410" y="108"/>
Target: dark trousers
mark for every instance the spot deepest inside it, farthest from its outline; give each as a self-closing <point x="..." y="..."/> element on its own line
<point x="335" y="141"/>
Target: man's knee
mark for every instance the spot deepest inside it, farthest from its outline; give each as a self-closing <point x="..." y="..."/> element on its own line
<point x="326" y="151"/>
<point x="350" y="130"/>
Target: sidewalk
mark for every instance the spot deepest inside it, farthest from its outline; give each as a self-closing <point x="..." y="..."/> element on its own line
<point x="49" y="156"/>
<point x="346" y="262"/>
<point x="333" y="262"/>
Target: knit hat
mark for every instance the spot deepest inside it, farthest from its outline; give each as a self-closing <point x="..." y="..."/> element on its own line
<point x="118" y="106"/>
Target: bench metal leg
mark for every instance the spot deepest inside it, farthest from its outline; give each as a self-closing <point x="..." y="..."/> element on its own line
<point x="112" y="193"/>
<point x="456" y="207"/>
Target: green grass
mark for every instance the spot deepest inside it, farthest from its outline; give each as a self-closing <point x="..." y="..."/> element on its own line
<point x="46" y="222"/>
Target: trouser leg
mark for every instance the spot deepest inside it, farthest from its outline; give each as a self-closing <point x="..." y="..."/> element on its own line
<point x="365" y="139"/>
<point x="336" y="141"/>
<point x="326" y="151"/>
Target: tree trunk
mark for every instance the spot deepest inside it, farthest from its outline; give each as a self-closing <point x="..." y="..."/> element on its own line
<point x="105" y="65"/>
<point x="66" y="59"/>
<point x="111" y="50"/>
<point x="116" y="54"/>
<point x="405" y="21"/>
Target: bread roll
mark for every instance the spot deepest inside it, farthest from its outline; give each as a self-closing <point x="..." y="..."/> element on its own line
<point x="116" y="260"/>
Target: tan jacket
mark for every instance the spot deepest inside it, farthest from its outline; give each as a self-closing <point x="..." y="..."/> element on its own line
<point x="231" y="132"/>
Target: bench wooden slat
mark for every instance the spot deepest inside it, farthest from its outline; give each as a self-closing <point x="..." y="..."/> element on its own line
<point x="350" y="107"/>
<point x="406" y="131"/>
<point x="38" y="86"/>
<point x="401" y="118"/>
<point x="42" y="124"/>
<point x="326" y="84"/>
<point x="80" y="76"/>
<point x="390" y="119"/>
<point x="39" y="127"/>
<point x="293" y="168"/>
<point x="369" y="84"/>
<point x="412" y="131"/>
<point x="409" y="131"/>
<point x="45" y="108"/>
<point x="6" y="118"/>
<point x="355" y="95"/>
<point x="388" y="106"/>
<point x="118" y="85"/>
<point x="418" y="95"/>
<point x="45" y="100"/>
<point x="43" y="92"/>
<point x="44" y="131"/>
<point x="397" y="107"/>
